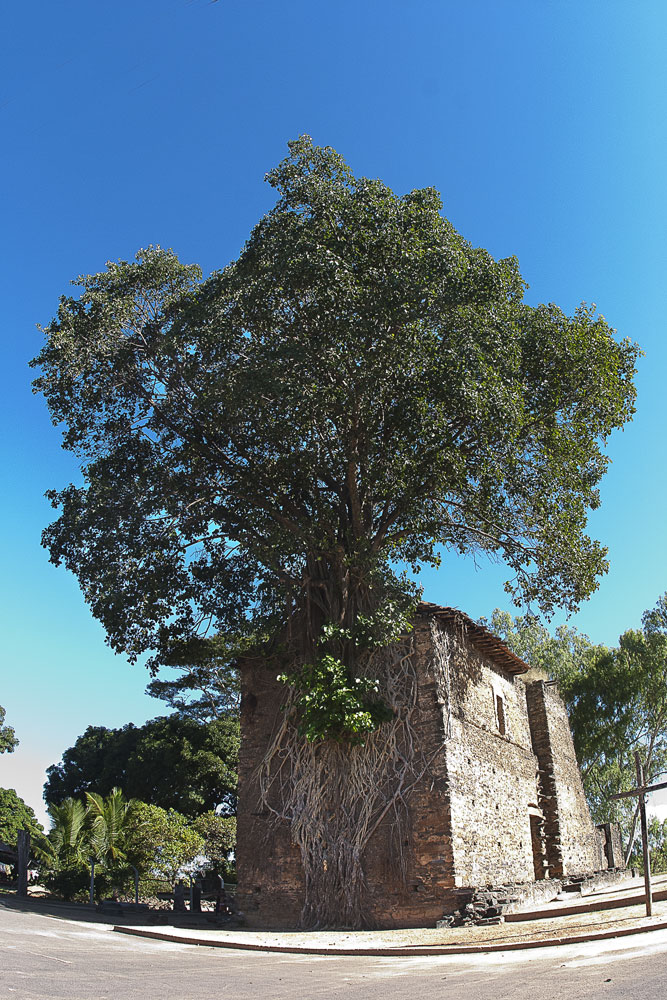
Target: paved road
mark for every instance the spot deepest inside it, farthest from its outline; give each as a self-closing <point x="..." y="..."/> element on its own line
<point x="43" y="958"/>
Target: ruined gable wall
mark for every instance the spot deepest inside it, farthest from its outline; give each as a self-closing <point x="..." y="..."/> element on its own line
<point x="492" y="776"/>
<point x="572" y="843"/>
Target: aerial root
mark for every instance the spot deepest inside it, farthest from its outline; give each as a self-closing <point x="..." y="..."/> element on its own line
<point x="334" y="796"/>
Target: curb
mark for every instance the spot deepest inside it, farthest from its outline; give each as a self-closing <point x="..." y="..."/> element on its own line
<point x="410" y="951"/>
<point x="590" y="906"/>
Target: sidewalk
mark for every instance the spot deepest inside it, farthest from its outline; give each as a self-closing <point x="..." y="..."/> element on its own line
<point x="617" y="913"/>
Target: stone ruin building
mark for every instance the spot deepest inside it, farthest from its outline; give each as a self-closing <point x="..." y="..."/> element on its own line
<point x="499" y="809"/>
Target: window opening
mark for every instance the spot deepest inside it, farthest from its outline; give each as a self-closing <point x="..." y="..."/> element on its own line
<point x="500" y="714"/>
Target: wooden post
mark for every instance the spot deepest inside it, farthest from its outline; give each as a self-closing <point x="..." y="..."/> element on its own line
<point x="136" y="885"/>
<point x="23" y="852"/>
<point x="179" y="897"/>
<point x="644" y="825"/>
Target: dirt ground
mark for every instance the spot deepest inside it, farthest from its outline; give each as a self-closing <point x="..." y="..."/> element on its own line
<point x="549" y="923"/>
<point x="552" y="924"/>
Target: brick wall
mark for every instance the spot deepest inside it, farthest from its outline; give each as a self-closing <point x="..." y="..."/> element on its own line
<point x="271" y="882"/>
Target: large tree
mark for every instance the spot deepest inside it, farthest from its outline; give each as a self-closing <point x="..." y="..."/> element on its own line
<point x="176" y="763"/>
<point x="361" y="388"/>
<point x="619" y="706"/>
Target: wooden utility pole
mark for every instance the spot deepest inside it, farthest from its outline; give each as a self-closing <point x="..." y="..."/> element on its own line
<point x="645" y="846"/>
<point x="641" y="792"/>
<point x="23" y="853"/>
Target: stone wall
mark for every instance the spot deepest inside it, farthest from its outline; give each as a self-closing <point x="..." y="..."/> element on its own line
<point x="491" y="904"/>
<point x="492" y="774"/>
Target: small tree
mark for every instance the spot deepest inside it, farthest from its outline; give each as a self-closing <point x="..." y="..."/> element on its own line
<point x="97" y="831"/>
<point x="110" y="821"/>
<point x="163" y="842"/>
<point x="69" y="832"/>
<point x="219" y="833"/>
<point x="65" y="865"/>
<point x="8" y="740"/>
<point x="15" y="815"/>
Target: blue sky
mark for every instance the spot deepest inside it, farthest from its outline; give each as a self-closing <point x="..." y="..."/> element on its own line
<point x="153" y="121"/>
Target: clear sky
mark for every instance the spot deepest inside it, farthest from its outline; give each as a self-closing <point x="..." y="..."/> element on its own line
<point x="542" y="122"/>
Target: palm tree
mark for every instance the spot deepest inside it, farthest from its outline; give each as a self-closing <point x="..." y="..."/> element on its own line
<point x="109" y="820"/>
<point x="69" y="834"/>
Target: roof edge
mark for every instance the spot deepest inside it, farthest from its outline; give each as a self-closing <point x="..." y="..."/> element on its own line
<point x="479" y="636"/>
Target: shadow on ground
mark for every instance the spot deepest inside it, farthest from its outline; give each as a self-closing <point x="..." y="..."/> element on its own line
<point x="111" y="915"/>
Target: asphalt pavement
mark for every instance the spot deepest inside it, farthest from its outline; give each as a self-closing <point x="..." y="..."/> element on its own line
<point x="44" y="957"/>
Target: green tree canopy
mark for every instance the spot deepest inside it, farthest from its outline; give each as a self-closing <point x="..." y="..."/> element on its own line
<point x="8" y="740"/>
<point x="361" y="387"/>
<point x="163" y="842"/>
<point x="616" y="699"/>
<point x="562" y="656"/>
<point x="15" y="815"/>
<point x="219" y="833"/>
<point x="173" y="762"/>
<point x="206" y="682"/>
